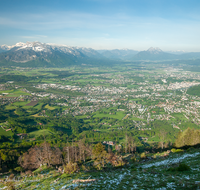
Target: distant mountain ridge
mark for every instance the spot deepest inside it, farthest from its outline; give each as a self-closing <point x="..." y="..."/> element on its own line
<point x="50" y="55"/>
<point x="47" y="54"/>
<point x="46" y="47"/>
<point x="119" y="54"/>
<point x="153" y="54"/>
<point x="156" y="54"/>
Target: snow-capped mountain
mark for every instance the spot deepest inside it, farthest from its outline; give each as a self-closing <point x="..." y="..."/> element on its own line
<point x="46" y="54"/>
<point x="49" y="53"/>
<point x="47" y="47"/>
<point x="154" y="50"/>
<point x="7" y="48"/>
<point x="4" y="48"/>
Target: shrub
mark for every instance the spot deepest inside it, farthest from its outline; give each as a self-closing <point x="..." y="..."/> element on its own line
<point x="97" y="165"/>
<point x="176" y="150"/>
<point x="28" y="172"/>
<point x="18" y="169"/>
<point x="190" y="149"/>
<point x="133" y="158"/>
<point x="85" y="168"/>
<point x="11" y="176"/>
<point x="181" y="167"/>
<point x="154" y="156"/>
<point x="10" y="185"/>
<point x="171" y="169"/>
<point x="143" y="155"/>
<point x="117" y="161"/>
<point x="120" y="163"/>
<point x="71" y="168"/>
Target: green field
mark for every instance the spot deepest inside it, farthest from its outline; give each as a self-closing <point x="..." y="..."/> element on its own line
<point x="136" y="119"/>
<point x="119" y="115"/>
<point x="179" y="116"/>
<point x="5" y="133"/>
<point x="38" y="106"/>
<point x="21" y="103"/>
<point x="14" y="93"/>
<point x="49" y="107"/>
<point x="10" y="107"/>
<point x="42" y="132"/>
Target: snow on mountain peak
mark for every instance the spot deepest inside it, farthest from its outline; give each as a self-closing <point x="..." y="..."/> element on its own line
<point x="19" y="44"/>
<point x="151" y="49"/>
<point x="5" y="47"/>
<point x="36" y="46"/>
<point x="47" y="47"/>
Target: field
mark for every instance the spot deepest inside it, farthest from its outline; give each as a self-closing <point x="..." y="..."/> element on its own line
<point x="49" y="107"/>
<point x="42" y="132"/>
<point x="14" y="93"/>
<point x="38" y="106"/>
<point x="32" y="103"/>
<point x="119" y="115"/>
<point x="5" y="133"/>
<point x="36" y="115"/>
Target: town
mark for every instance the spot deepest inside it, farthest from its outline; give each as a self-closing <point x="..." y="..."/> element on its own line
<point x="133" y="98"/>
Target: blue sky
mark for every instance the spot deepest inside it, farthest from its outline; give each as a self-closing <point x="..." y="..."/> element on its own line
<point x="103" y="24"/>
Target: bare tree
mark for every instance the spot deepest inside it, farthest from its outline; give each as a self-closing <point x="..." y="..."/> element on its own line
<point x="162" y="136"/>
<point x="126" y="143"/>
<point x="57" y="156"/>
<point x="67" y="153"/>
<point x="31" y="159"/>
<point x="82" y="149"/>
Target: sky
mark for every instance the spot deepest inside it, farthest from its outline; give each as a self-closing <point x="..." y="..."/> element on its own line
<point x="170" y="25"/>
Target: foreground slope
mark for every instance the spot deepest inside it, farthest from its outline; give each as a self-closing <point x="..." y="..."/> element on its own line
<point x="177" y="171"/>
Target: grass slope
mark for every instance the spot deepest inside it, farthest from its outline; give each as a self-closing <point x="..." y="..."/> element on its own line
<point x="42" y="132"/>
<point x="5" y="133"/>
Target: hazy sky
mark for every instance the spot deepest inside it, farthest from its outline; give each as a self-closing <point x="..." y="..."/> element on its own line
<point x="103" y="24"/>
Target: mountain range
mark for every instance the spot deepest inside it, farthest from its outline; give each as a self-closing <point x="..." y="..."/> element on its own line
<point x="118" y="54"/>
<point x="34" y="54"/>
<point x="42" y="54"/>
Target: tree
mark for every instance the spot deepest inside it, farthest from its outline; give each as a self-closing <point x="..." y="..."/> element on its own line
<point x="100" y="155"/>
<point x="40" y="155"/>
<point x="82" y="149"/>
<point x="162" y="136"/>
<point x="189" y="137"/>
